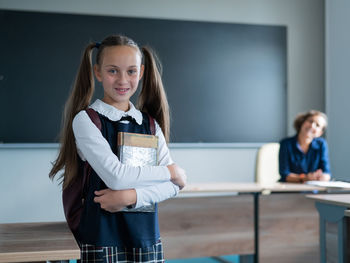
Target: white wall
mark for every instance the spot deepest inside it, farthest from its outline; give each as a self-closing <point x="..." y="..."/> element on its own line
<point x="216" y="162"/>
<point x="28" y="195"/>
<point x="304" y="19"/>
<point x="26" y="192"/>
<point x="337" y="85"/>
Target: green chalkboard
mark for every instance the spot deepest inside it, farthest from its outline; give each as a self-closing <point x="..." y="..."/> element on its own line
<point x="225" y="82"/>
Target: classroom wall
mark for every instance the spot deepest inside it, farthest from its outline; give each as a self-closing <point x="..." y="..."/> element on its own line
<point x="27" y="194"/>
<point x="337" y="85"/>
<point x="27" y="186"/>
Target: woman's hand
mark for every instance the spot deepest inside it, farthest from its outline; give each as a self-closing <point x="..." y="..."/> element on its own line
<point x="177" y="175"/>
<point x="295" y="178"/>
<point x="325" y="177"/>
<point x="314" y="176"/>
<point x="115" y="200"/>
<point x="318" y="175"/>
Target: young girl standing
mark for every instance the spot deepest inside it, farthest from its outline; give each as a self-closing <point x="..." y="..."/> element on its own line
<point x="105" y="234"/>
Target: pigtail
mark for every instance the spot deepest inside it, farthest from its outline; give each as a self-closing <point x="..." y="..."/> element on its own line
<point x="152" y="98"/>
<point x="78" y="100"/>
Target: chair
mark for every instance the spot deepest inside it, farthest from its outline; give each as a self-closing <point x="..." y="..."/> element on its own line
<point x="267" y="164"/>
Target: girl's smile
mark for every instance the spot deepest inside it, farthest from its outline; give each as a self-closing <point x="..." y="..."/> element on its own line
<point x="122" y="91"/>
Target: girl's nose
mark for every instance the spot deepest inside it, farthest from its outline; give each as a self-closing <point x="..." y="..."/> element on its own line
<point x="122" y="78"/>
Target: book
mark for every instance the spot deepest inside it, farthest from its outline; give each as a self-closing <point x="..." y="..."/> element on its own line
<point x="137" y="149"/>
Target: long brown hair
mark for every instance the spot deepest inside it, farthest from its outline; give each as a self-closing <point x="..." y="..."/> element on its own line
<point x="152" y="100"/>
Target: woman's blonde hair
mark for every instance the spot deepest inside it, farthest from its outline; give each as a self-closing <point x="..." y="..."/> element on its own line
<point x="302" y="117"/>
<point x="152" y="99"/>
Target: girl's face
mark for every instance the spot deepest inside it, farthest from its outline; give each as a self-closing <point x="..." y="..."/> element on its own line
<point x="120" y="71"/>
<point x="313" y="126"/>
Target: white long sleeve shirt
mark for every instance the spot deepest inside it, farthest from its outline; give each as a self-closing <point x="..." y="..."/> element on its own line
<point x="152" y="183"/>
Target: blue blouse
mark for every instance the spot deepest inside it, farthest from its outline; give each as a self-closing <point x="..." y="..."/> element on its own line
<point x="293" y="160"/>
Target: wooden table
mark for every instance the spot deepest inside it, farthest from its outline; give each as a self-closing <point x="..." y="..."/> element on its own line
<point x="221" y="188"/>
<point x="204" y="220"/>
<point x="288" y="223"/>
<point x="334" y="227"/>
<point x="28" y="242"/>
<point x="213" y="219"/>
<point x="291" y="187"/>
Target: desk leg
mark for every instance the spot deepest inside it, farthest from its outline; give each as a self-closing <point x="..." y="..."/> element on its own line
<point x="323" y="239"/>
<point x="333" y="214"/>
<point x="256" y="227"/>
<point x="250" y="258"/>
<point x="341" y="240"/>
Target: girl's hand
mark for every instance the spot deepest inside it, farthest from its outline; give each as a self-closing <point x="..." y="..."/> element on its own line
<point x="177" y="175"/>
<point x="115" y="200"/>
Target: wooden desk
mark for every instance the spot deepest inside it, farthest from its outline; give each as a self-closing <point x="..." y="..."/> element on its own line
<point x="288" y="224"/>
<point x="209" y="220"/>
<point x="26" y="242"/>
<point x="222" y="188"/>
<point x="291" y="187"/>
<point x="216" y="219"/>
<point x="334" y="227"/>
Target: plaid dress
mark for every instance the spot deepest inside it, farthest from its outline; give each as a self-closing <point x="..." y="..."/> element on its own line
<point x="152" y="254"/>
<point x="123" y="236"/>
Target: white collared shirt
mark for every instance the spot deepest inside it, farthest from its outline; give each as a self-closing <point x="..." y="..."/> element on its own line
<point x="152" y="183"/>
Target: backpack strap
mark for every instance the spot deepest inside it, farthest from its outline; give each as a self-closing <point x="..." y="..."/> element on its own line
<point x="73" y="196"/>
<point x="94" y="117"/>
<point x="87" y="168"/>
<point x="152" y="124"/>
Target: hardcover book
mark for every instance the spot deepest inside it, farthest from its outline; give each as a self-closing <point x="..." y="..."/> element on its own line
<point x="136" y="149"/>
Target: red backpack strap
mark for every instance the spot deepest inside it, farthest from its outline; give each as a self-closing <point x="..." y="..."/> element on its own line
<point x="94" y="117"/>
<point x="87" y="168"/>
<point x="152" y="124"/>
<point x="74" y="194"/>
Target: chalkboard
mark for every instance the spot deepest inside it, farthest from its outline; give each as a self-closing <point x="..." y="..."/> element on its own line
<point x="225" y="82"/>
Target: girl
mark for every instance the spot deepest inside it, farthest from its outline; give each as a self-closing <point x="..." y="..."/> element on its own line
<point x="121" y="236"/>
<point x="304" y="157"/>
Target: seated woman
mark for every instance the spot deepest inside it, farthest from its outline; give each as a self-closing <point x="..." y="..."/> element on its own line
<point x="304" y="157"/>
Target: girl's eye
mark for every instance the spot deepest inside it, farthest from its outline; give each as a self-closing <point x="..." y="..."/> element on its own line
<point x="132" y="71"/>
<point x="113" y="71"/>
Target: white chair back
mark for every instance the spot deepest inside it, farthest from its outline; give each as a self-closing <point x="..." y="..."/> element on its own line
<point x="267" y="164"/>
